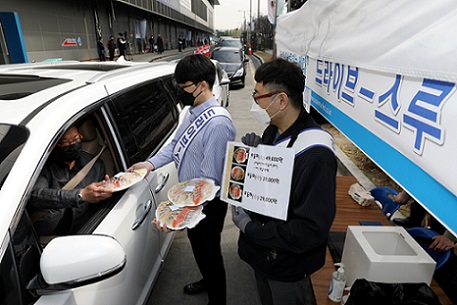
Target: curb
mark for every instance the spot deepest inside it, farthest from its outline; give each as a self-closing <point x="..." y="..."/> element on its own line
<point x="258" y="57"/>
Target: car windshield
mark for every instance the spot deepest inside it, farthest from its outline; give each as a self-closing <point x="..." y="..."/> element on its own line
<point x="12" y="140"/>
<point x="231" y="43"/>
<point x="227" y="56"/>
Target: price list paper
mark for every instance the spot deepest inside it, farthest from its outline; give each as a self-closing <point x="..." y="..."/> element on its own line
<point x="258" y="178"/>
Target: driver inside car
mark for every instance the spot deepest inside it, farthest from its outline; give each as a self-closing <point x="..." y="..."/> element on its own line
<point x="60" y="202"/>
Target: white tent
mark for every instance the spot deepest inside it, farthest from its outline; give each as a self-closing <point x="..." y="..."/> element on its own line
<point x="384" y="73"/>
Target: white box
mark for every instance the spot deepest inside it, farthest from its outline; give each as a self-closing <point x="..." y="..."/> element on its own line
<point x="385" y="255"/>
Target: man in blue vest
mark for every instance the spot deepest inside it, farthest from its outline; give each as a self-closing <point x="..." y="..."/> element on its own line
<point x="284" y="253"/>
<point x="206" y="128"/>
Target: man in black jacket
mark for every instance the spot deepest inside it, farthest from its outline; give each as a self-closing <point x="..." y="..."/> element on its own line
<point x="284" y="253"/>
<point x="56" y="210"/>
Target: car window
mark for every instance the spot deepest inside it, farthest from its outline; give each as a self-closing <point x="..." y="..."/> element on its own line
<point x="10" y="292"/>
<point x="19" y="265"/>
<point x="144" y="116"/>
<point x="12" y="140"/>
<point x="231" y="43"/>
<point x="227" y="56"/>
<point x="16" y="87"/>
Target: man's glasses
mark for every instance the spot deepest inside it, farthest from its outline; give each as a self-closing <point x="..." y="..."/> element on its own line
<point x="76" y="139"/>
<point x="258" y="97"/>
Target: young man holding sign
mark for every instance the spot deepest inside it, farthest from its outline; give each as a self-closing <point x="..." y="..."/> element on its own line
<point x="283" y="253"/>
<point x="196" y="149"/>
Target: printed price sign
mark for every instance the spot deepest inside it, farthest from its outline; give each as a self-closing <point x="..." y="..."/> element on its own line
<point x="258" y="178"/>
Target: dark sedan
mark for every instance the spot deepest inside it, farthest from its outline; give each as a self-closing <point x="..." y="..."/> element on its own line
<point x="233" y="62"/>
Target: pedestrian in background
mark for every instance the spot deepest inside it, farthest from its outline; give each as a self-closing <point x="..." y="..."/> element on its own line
<point x="159" y="44"/>
<point x="111" y="47"/>
<point x="121" y="44"/>
<point x="283" y="253"/>
<point x="101" y="49"/>
<point x="180" y="44"/>
<point x="200" y="158"/>
<point x="151" y="44"/>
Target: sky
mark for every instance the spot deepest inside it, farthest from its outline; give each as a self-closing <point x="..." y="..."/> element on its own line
<point x="230" y="13"/>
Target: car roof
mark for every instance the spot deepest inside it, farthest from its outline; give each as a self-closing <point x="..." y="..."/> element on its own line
<point x="24" y="88"/>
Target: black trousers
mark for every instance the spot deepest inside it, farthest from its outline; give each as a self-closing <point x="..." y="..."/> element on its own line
<point x="205" y="240"/>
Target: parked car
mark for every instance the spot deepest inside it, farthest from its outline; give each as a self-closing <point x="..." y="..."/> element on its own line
<point x="115" y="257"/>
<point x="233" y="62"/>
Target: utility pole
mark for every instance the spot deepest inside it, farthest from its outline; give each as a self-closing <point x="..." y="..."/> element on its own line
<point x="259" y="38"/>
<point x="250" y="22"/>
<point x="274" y="28"/>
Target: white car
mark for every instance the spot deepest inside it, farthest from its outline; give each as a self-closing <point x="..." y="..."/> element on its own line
<point x="115" y="257"/>
<point x="221" y="85"/>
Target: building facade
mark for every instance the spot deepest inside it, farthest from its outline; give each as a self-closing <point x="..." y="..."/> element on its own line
<point x="69" y="29"/>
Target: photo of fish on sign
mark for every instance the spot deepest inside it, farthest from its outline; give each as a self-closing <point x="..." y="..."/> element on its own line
<point x="258" y="178"/>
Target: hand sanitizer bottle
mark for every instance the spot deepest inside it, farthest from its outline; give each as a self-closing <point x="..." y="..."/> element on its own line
<point x="337" y="284"/>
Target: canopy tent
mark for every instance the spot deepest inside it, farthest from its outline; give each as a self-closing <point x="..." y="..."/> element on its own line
<point x="384" y="73"/>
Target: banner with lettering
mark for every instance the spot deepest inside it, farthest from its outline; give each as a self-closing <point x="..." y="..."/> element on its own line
<point x="373" y="71"/>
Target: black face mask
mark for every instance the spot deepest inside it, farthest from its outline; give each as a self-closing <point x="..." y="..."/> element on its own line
<point x="67" y="153"/>
<point x="187" y="98"/>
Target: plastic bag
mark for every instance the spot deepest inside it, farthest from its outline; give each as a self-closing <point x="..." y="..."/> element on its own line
<point x="364" y="292"/>
<point x="360" y="195"/>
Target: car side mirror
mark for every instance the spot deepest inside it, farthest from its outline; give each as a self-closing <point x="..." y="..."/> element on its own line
<point x="73" y="261"/>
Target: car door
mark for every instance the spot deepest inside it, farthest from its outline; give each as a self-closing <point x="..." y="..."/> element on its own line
<point x="141" y="119"/>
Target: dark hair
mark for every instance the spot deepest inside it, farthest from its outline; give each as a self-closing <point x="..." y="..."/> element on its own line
<point x="281" y="75"/>
<point x="195" y="68"/>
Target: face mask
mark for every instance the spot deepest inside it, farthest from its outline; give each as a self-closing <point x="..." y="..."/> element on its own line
<point x="187" y="98"/>
<point x="260" y="114"/>
<point x="67" y="153"/>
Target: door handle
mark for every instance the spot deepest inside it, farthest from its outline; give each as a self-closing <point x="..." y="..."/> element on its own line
<point x="162" y="183"/>
<point x="147" y="207"/>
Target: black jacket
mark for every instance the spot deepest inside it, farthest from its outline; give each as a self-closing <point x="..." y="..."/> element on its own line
<point x="48" y="194"/>
<point x="289" y="250"/>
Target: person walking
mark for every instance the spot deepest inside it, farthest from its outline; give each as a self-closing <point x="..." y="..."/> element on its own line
<point x="111" y="48"/>
<point x="211" y="127"/>
<point x="121" y="44"/>
<point x="151" y="44"/>
<point x="284" y="253"/>
<point x="159" y="44"/>
<point x="180" y="43"/>
<point x="101" y="49"/>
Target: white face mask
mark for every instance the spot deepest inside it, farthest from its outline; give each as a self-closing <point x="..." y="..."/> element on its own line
<point x="260" y="114"/>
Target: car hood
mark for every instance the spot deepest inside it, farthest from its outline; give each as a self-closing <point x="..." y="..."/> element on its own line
<point x="231" y="67"/>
